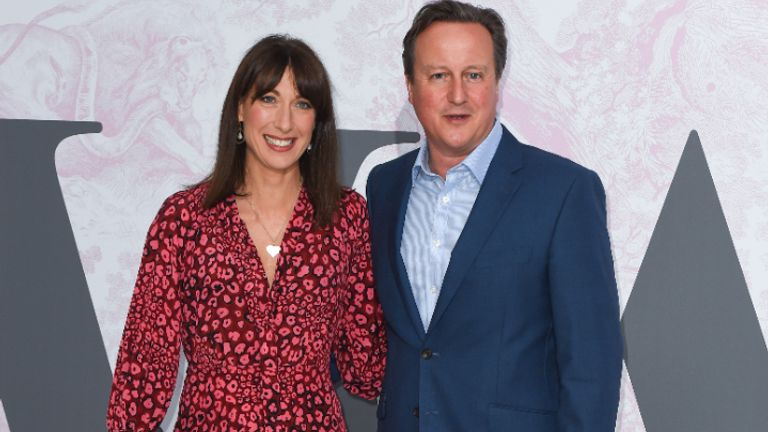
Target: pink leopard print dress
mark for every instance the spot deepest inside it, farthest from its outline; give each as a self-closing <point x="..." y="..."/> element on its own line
<point x="258" y="356"/>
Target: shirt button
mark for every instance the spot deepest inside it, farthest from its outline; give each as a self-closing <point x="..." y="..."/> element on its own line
<point x="415" y="411"/>
<point x="426" y="354"/>
<point x="446" y="200"/>
<point x="433" y="289"/>
<point x="436" y="243"/>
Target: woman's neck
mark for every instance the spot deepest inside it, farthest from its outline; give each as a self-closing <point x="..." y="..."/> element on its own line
<point x="272" y="190"/>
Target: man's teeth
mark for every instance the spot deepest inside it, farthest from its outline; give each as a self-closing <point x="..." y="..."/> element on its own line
<point x="278" y="142"/>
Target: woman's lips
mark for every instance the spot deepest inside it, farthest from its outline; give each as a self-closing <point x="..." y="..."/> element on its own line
<point x="279" y="144"/>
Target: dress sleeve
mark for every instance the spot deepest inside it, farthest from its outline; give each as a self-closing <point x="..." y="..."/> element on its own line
<point x="145" y="373"/>
<point x="361" y="345"/>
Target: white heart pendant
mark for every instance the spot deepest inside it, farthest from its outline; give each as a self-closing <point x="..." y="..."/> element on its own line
<point x="273" y="250"/>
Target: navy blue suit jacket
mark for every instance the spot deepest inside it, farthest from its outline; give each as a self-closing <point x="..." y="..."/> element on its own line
<point x="525" y="334"/>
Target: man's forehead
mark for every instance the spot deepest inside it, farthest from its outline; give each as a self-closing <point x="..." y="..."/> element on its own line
<point x="455" y="31"/>
<point x="479" y="66"/>
<point x="452" y="39"/>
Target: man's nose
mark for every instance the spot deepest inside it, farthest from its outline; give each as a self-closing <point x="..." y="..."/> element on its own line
<point x="457" y="95"/>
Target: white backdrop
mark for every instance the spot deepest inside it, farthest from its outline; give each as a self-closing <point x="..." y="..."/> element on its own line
<point x="614" y="85"/>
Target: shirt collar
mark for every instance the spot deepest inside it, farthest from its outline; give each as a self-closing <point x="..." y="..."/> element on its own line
<point x="477" y="162"/>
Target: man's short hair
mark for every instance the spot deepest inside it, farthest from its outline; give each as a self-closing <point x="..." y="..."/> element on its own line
<point x="458" y="12"/>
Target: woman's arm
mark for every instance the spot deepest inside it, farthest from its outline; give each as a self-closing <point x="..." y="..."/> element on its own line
<point x="361" y="344"/>
<point x="145" y="373"/>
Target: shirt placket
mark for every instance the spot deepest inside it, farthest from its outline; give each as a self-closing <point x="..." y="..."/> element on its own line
<point x="437" y="244"/>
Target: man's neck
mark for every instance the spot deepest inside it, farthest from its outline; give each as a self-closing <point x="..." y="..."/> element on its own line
<point x="440" y="163"/>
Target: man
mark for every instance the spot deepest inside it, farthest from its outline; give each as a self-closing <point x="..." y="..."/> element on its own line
<point x="491" y="257"/>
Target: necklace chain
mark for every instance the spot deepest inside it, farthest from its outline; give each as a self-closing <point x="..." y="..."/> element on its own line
<point x="274" y="248"/>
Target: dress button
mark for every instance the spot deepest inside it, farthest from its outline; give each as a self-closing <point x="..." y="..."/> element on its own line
<point x="426" y="354"/>
<point x="415" y="411"/>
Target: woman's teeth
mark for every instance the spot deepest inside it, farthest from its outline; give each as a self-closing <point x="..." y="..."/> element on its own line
<point x="278" y="142"/>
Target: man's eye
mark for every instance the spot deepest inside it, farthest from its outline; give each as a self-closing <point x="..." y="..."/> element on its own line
<point x="438" y="76"/>
<point x="474" y="76"/>
<point x="304" y="105"/>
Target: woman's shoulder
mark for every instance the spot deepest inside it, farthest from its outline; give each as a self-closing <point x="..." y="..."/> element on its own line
<point x="189" y="198"/>
<point x="351" y="200"/>
<point x="352" y="208"/>
<point x="185" y="203"/>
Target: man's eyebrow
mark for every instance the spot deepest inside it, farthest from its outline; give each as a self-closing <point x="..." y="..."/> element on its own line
<point x="473" y="66"/>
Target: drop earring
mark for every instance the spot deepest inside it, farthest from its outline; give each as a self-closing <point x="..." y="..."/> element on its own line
<point x="240" y="137"/>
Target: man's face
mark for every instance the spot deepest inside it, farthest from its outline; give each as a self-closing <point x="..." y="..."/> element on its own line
<point x="454" y="89"/>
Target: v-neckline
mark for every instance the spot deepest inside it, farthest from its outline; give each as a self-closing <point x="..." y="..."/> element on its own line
<point x="251" y="244"/>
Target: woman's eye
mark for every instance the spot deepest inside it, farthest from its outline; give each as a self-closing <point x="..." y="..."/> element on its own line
<point x="268" y="99"/>
<point x="303" y="105"/>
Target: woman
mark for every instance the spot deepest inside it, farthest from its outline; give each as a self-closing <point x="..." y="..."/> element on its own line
<point x="260" y="272"/>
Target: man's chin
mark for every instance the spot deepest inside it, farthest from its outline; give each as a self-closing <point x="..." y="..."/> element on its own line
<point x="457" y="146"/>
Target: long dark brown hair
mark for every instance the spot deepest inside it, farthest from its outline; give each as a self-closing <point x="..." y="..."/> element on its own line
<point x="260" y="72"/>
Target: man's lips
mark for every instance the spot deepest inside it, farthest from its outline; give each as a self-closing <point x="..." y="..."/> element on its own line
<point x="456" y="118"/>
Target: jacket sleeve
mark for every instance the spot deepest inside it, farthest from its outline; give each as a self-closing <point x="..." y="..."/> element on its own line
<point x="585" y="311"/>
<point x="360" y="348"/>
<point x="145" y="372"/>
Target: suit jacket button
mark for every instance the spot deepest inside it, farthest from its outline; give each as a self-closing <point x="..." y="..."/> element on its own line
<point x="415" y="411"/>
<point x="426" y="354"/>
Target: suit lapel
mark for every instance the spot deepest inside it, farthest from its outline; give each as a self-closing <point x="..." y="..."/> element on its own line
<point x="499" y="186"/>
<point x="401" y="193"/>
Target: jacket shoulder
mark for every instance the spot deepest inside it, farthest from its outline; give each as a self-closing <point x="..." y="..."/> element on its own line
<point x="390" y="171"/>
<point x="552" y="166"/>
<point x="397" y="165"/>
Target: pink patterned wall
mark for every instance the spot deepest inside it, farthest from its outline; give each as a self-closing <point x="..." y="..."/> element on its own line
<point x="614" y="85"/>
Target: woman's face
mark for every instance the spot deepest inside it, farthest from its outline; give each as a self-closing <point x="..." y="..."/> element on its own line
<point x="277" y="127"/>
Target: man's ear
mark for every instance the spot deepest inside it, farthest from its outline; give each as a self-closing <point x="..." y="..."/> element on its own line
<point x="409" y="86"/>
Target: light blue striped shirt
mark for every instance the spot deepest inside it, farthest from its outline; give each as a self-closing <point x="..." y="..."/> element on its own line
<point x="436" y="213"/>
